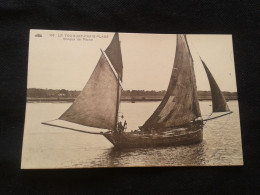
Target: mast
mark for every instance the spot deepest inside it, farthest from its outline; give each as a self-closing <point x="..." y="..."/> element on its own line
<point x="117" y="102"/>
<point x="118" y="65"/>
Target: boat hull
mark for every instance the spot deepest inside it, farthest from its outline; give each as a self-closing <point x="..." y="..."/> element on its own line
<point x="131" y="140"/>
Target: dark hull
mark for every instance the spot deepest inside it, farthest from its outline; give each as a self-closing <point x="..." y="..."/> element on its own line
<point x="132" y="140"/>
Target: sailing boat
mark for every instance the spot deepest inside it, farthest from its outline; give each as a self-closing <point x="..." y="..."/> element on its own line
<point x="176" y="121"/>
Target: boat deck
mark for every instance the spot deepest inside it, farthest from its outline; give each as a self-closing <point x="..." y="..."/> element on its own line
<point x="180" y="136"/>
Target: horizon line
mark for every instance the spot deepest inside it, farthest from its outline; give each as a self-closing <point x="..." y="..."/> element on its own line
<point x="123" y="90"/>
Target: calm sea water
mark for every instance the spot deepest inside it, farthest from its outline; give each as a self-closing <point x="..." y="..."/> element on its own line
<point x="51" y="147"/>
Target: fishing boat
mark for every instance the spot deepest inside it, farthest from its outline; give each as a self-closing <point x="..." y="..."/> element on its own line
<point x="176" y="121"/>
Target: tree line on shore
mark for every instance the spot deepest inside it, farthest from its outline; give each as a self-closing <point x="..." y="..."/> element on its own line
<point x="63" y="93"/>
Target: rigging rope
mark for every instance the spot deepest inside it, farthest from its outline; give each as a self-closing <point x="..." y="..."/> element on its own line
<point x="73" y="129"/>
<point x="194" y="47"/>
<point x="205" y="121"/>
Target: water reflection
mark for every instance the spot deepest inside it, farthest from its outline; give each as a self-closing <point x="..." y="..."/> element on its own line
<point x="180" y="156"/>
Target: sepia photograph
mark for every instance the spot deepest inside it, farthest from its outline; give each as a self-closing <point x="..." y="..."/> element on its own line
<point x="112" y="99"/>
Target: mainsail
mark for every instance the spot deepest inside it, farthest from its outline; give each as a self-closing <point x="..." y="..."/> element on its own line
<point x="218" y="100"/>
<point x="97" y="105"/>
<point x="180" y="105"/>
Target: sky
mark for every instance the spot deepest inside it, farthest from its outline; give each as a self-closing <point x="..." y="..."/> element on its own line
<point x="66" y="59"/>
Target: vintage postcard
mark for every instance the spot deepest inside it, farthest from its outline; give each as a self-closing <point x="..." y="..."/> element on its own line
<point x="103" y="99"/>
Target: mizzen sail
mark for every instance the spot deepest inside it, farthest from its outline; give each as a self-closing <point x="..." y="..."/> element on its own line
<point x="180" y="105"/>
<point x="218" y="100"/>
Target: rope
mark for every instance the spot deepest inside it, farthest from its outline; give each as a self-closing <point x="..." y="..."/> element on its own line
<point x="78" y="130"/>
<point x="50" y="120"/>
<point x="208" y="119"/>
<point x="205" y="121"/>
<point x="194" y="47"/>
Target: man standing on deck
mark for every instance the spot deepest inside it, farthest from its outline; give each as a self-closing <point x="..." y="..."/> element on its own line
<point x="125" y="125"/>
<point x="120" y="127"/>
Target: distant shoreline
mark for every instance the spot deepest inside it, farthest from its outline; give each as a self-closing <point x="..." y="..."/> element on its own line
<point x="63" y="95"/>
<point x="123" y="99"/>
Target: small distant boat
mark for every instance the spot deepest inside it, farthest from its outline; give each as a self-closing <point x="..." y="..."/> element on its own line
<point x="176" y="121"/>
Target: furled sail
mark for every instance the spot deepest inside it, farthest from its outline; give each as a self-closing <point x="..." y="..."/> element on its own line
<point x="180" y="105"/>
<point x="218" y="100"/>
<point x="113" y="52"/>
